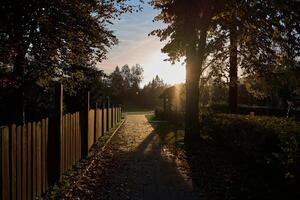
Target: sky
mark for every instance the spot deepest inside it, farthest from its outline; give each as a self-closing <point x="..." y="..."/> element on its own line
<point x="136" y="47"/>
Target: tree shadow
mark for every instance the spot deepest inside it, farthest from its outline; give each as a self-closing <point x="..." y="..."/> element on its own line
<point x="145" y="171"/>
<point x="159" y="175"/>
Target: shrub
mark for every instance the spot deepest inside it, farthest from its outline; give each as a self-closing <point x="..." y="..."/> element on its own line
<point x="245" y="110"/>
<point x="159" y="113"/>
<point x="269" y="143"/>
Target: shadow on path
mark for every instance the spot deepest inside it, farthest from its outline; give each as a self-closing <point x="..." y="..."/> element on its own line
<point x="136" y="165"/>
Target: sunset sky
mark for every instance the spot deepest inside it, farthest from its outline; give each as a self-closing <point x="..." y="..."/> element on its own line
<point x="136" y="47"/>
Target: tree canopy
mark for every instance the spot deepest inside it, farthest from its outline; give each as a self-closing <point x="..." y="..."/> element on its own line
<point x="61" y="40"/>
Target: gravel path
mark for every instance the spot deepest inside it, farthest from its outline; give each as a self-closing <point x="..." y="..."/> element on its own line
<point x="136" y="165"/>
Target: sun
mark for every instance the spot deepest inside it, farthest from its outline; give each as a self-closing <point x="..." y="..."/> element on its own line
<point x="155" y="65"/>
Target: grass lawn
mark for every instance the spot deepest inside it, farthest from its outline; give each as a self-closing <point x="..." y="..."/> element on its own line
<point x="136" y="109"/>
<point x="169" y="133"/>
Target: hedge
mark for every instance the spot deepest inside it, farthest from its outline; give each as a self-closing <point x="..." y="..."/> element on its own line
<point x="269" y="143"/>
<point x="245" y="110"/>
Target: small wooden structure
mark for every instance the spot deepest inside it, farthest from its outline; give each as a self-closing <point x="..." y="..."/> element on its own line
<point x="174" y="101"/>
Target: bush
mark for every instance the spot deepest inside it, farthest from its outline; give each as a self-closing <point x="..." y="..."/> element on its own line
<point x="270" y="144"/>
<point x="159" y="113"/>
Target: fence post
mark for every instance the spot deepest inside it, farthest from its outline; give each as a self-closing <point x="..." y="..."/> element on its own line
<point x="85" y="124"/>
<point x="54" y="138"/>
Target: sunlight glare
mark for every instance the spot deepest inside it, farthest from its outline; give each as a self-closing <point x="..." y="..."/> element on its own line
<point x="155" y="65"/>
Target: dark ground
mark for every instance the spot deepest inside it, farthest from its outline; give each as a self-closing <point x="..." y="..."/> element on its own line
<point x="150" y="161"/>
<point x="136" y="165"/>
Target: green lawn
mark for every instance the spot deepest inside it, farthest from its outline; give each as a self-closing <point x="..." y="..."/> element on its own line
<point x="136" y="109"/>
<point x="169" y="133"/>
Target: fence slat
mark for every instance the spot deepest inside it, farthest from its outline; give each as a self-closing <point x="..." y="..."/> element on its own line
<point x="112" y="117"/>
<point x="43" y="147"/>
<point x="39" y="159"/>
<point x="24" y="162"/>
<point x="75" y="137"/>
<point x="19" y="162"/>
<point x="98" y="122"/>
<point x="68" y="141"/>
<point x="13" y="161"/>
<point x="63" y="146"/>
<point x="108" y="119"/>
<point x="91" y="128"/>
<point x="46" y="156"/>
<point x="72" y="139"/>
<point x="115" y="116"/>
<point x="79" y="135"/>
<point x="4" y="172"/>
<point x="34" y="155"/>
<point x="29" y="162"/>
<point x="104" y="120"/>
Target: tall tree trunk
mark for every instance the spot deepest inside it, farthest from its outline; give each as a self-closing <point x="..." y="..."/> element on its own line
<point x="233" y="75"/>
<point x="192" y="96"/>
<point x="194" y="59"/>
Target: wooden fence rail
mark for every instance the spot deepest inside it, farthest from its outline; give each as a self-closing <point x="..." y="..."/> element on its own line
<point x="24" y="150"/>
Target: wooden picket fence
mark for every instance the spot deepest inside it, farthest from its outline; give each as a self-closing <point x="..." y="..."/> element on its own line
<point x="32" y="152"/>
<point x="70" y="141"/>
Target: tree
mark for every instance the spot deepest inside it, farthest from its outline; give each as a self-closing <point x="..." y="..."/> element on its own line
<point x="41" y="40"/>
<point x="124" y="84"/>
<point x="263" y="44"/>
<point x="117" y="85"/>
<point x="228" y="34"/>
<point x="271" y="50"/>
<point x="152" y="91"/>
<point x="188" y="27"/>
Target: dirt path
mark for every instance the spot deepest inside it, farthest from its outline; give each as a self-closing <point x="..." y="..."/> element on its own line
<point x="135" y="165"/>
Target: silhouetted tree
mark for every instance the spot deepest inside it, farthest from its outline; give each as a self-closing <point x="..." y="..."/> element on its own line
<point x="41" y="40"/>
<point x="124" y="84"/>
<point x="189" y="23"/>
<point x="152" y="91"/>
<point x="261" y="36"/>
